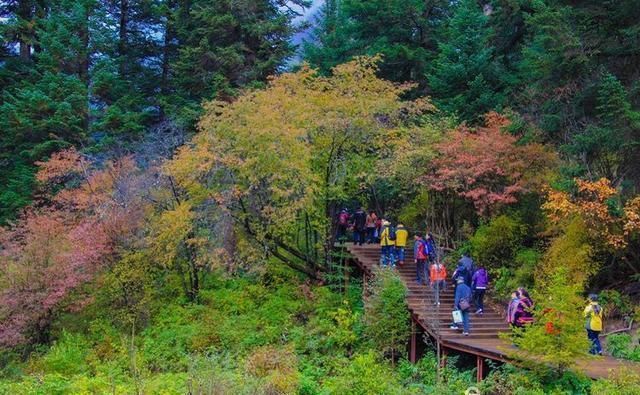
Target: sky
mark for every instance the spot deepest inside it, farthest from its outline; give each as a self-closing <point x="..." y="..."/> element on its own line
<point x="308" y="16"/>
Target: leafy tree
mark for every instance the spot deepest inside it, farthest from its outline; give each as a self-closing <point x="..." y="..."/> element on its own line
<point x="61" y="244"/>
<point x="486" y="166"/>
<point x="464" y="75"/>
<point x="386" y="314"/>
<point x="403" y="32"/>
<point x="293" y="152"/>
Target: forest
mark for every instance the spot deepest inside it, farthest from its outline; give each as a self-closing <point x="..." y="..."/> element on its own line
<point x="172" y="174"/>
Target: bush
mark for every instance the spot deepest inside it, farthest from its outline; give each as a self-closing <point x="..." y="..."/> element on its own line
<point x="522" y="275"/>
<point x="614" y="304"/>
<point x="622" y="382"/>
<point x="387" y="315"/>
<point x="621" y="345"/>
<point x="495" y="245"/>
<point x="364" y="375"/>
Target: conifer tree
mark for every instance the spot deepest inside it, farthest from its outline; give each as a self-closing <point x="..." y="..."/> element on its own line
<point x="464" y="76"/>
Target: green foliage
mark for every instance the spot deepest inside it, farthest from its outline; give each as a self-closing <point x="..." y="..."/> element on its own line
<point x="615" y="304"/>
<point x="386" y="314"/>
<point x="522" y="274"/>
<point x="621" y="345"/>
<point x="621" y="382"/>
<point x="496" y="244"/>
<point x="464" y="76"/>
<point x="365" y="375"/>
<point x="404" y="32"/>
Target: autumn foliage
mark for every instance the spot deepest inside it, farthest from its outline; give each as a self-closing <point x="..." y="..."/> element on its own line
<point x="62" y="243"/>
<point x="595" y="202"/>
<point x="487" y="166"/>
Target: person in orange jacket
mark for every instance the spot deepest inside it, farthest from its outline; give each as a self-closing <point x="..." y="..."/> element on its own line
<point x="437" y="275"/>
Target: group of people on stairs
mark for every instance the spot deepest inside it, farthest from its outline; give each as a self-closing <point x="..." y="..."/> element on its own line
<point x="470" y="282"/>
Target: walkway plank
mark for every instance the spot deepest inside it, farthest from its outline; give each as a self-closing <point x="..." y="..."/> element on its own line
<point x="484" y="340"/>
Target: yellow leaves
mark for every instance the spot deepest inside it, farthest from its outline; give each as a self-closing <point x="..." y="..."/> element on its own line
<point x="591" y="203"/>
<point x="170" y="231"/>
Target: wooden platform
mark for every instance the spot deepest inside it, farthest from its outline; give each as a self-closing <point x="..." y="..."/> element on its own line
<point x="483" y="341"/>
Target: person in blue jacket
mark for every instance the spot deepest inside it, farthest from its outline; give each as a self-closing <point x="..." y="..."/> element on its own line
<point x="463" y="292"/>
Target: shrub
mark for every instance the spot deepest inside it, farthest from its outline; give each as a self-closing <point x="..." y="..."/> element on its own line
<point x="496" y="244"/>
<point x="621" y="345"/>
<point x="387" y="315"/>
<point x="621" y="382"/>
<point x="277" y="369"/>
<point x="615" y="304"/>
<point x="364" y="375"/>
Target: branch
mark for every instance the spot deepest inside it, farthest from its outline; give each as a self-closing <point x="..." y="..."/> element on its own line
<point x="620" y="330"/>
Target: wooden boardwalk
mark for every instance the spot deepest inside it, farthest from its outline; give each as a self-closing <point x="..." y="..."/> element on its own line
<point x="483" y="342"/>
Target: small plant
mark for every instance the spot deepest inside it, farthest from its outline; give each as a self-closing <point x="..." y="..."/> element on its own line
<point x="387" y="316"/>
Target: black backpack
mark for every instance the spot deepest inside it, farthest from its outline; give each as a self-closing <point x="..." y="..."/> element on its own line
<point x="392" y="233"/>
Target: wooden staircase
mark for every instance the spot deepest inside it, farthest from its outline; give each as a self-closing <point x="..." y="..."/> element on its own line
<point x="484" y="341"/>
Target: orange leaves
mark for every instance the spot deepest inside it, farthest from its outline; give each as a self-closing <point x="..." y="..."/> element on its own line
<point x="486" y="165"/>
<point x="60" y="165"/>
<point x="592" y="203"/>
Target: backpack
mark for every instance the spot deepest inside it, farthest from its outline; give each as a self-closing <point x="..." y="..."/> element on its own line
<point x="344" y="218"/>
<point x="392" y="233"/>
<point x="464" y="304"/>
<point x="427" y="248"/>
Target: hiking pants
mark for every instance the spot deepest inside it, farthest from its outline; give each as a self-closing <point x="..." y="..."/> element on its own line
<point x="358" y="236"/>
<point x="437" y="287"/>
<point x="465" y="320"/>
<point x="386" y="257"/>
<point x="422" y="276"/>
<point x="400" y="254"/>
<point x="594" y="337"/>
<point x="479" y="298"/>
<point x="371" y="235"/>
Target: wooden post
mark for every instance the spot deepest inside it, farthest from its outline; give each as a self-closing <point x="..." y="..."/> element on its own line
<point x="479" y="368"/>
<point x="413" y="342"/>
<point x="443" y="356"/>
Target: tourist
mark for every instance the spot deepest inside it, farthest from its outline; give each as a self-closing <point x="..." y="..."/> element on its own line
<point x="513" y="311"/>
<point x="370" y="224"/>
<point x="463" y="303"/>
<point x="387" y="244"/>
<point x="460" y="272"/>
<point x="438" y="276"/>
<point x="420" y="259"/>
<point x="359" y="224"/>
<point x="343" y="223"/>
<point x="593" y="315"/>
<point x="467" y="262"/>
<point x="378" y="230"/>
<point x="432" y="252"/>
<point x="402" y="235"/>
<point x="526" y="307"/>
<point x="479" y="284"/>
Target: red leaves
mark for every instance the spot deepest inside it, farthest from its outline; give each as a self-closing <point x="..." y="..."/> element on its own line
<point x="486" y="166"/>
<point x="58" y="247"/>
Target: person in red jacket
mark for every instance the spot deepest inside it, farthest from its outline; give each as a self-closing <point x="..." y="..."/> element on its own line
<point x="420" y="258"/>
<point x="438" y="275"/>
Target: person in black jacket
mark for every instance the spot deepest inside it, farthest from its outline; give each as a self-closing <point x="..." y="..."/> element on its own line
<point x="359" y="226"/>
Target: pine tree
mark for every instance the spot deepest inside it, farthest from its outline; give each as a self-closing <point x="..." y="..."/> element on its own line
<point x="464" y="76"/>
<point x="404" y="32"/>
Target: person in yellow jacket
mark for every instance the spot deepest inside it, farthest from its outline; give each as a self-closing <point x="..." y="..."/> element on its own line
<point x="402" y="235"/>
<point x="593" y="324"/>
<point x="387" y="244"/>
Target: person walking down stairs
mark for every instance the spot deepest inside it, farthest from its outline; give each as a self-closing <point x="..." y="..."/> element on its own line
<point x="420" y="259"/>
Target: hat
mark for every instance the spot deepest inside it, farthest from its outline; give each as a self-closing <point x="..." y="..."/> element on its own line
<point x="593" y="297"/>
